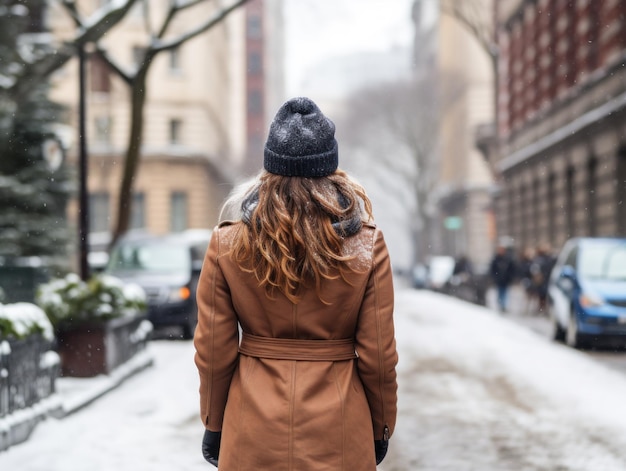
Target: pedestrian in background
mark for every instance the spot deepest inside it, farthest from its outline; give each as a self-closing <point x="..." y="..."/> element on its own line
<point x="463" y="268"/>
<point x="306" y="276"/>
<point x="525" y="275"/>
<point x="541" y="268"/>
<point x="502" y="270"/>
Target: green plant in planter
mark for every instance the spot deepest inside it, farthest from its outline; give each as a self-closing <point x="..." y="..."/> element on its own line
<point x="70" y="300"/>
<point x="21" y="320"/>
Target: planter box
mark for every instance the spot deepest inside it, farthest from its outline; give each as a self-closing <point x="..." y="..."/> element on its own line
<point x="91" y="349"/>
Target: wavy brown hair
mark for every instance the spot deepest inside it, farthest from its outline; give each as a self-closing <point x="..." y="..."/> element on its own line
<point x="292" y="238"/>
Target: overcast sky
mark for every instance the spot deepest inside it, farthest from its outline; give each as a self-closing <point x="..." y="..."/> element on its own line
<point x="318" y="29"/>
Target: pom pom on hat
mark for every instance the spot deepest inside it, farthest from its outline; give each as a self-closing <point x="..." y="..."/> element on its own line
<point x="301" y="141"/>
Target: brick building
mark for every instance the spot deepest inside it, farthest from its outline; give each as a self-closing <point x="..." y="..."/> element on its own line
<point x="561" y="120"/>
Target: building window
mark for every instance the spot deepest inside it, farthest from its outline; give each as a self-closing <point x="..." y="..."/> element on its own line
<point x="100" y="75"/>
<point x="255" y="102"/>
<point x="175" y="130"/>
<point x="255" y="27"/>
<point x="178" y="211"/>
<point x="175" y="60"/>
<point x="102" y="125"/>
<point x="255" y="63"/>
<point x="594" y="38"/>
<point x="255" y="144"/>
<point x="99" y="212"/>
<point x="138" y="212"/>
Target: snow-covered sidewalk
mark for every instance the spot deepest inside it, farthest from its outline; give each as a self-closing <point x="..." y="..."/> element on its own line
<point x="150" y="421"/>
<point x="477" y="393"/>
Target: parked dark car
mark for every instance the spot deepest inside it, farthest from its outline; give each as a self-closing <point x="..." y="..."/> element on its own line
<point x="587" y="292"/>
<point x="98" y="255"/>
<point x="167" y="268"/>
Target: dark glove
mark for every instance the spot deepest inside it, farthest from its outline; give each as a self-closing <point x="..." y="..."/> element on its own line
<point x="381" y="446"/>
<point x="211" y="446"/>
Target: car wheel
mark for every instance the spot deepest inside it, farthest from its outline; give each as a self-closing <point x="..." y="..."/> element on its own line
<point x="189" y="327"/>
<point x="558" y="332"/>
<point x="572" y="337"/>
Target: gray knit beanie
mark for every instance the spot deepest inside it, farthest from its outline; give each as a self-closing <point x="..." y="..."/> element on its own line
<point x="301" y="141"/>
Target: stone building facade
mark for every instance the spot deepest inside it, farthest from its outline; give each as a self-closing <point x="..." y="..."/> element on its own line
<point x="205" y="107"/>
<point x="561" y="120"/>
<point x="467" y="103"/>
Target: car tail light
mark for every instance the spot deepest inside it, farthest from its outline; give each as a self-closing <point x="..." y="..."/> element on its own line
<point x="184" y="292"/>
<point x="180" y="294"/>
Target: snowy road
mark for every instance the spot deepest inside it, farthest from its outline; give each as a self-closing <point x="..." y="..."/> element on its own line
<point x="477" y="393"/>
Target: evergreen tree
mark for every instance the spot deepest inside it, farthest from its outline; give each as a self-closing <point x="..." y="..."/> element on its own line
<point x="33" y="193"/>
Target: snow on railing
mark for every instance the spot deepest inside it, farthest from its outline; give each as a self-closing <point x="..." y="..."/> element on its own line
<point x="28" y="370"/>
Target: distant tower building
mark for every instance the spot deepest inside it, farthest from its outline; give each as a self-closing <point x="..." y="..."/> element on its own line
<point x="264" y="75"/>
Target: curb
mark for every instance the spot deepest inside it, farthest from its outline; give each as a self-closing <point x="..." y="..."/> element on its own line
<point x="77" y="393"/>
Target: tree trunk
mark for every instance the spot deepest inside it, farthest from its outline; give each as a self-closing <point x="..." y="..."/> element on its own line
<point x="133" y="155"/>
<point x="423" y="246"/>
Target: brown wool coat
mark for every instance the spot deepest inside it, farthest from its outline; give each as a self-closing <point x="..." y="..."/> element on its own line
<point x="302" y="414"/>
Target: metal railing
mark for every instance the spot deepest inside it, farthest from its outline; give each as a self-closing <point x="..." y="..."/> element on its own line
<point x="28" y="370"/>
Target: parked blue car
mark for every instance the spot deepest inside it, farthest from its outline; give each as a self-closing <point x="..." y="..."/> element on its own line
<point x="587" y="292"/>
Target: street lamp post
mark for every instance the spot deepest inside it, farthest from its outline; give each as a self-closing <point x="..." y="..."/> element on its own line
<point x="83" y="210"/>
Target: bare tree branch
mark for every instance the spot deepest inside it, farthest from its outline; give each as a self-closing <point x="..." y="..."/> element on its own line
<point x="184" y="5"/>
<point x="471" y="15"/>
<point x="171" y="13"/>
<point x="103" y="20"/>
<point x="176" y="6"/>
<point x="70" y="7"/>
<point x="93" y="28"/>
<point x="219" y="16"/>
<point x="406" y="116"/>
<point x="114" y="66"/>
<point x="145" y="5"/>
<point x="138" y="82"/>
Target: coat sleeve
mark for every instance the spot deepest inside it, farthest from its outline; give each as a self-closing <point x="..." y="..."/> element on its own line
<point x="375" y="342"/>
<point x="216" y="339"/>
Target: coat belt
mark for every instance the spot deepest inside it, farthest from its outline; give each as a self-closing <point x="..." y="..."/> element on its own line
<point x="297" y="349"/>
